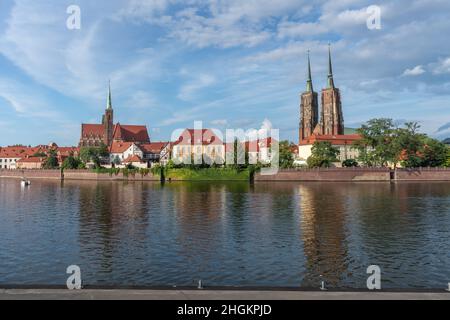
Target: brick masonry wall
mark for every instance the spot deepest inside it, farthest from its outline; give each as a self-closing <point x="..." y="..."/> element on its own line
<point x="31" y="174"/>
<point x="73" y="175"/>
<point x="423" y="174"/>
<point x="332" y="174"/>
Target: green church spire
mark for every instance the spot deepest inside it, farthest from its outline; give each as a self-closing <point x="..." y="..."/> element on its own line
<point x="109" y="102"/>
<point x="309" y="85"/>
<point x="330" y="83"/>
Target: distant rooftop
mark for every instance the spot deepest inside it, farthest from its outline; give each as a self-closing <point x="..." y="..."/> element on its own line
<point x="446" y="141"/>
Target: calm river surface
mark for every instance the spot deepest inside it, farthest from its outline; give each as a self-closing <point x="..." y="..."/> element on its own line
<point x="227" y="234"/>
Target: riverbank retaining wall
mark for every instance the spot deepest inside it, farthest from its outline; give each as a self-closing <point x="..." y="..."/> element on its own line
<point x="423" y="174"/>
<point x="331" y="174"/>
<point x="328" y="174"/>
<point x="31" y="174"/>
<point x="75" y="175"/>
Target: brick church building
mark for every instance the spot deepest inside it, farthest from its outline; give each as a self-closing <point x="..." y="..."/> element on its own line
<point x="326" y="124"/>
<point x="107" y="133"/>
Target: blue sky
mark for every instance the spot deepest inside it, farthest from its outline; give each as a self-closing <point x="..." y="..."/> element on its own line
<point x="227" y="63"/>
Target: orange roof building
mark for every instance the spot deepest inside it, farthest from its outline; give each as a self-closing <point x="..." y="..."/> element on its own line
<point x="94" y="135"/>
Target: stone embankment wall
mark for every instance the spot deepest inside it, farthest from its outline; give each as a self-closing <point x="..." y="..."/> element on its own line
<point x="359" y="174"/>
<point x="423" y="174"/>
<point x="74" y="175"/>
<point x="331" y="174"/>
<point x="31" y="174"/>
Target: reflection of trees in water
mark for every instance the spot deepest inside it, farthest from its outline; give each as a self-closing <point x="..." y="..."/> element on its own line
<point x="199" y="209"/>
<point x="323" y="232"/>
<point x="113" y="215"/>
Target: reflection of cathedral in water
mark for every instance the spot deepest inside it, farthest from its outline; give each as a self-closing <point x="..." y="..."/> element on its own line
<point x="323" y="234"/>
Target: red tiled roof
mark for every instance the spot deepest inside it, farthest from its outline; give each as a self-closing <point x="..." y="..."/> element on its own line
<point x="96" y="130"/>
<point x="26" y="152"/>
<point x="154" y="147"/>
<point x="119" y="147"/>
<point x="67" y="151"/>
<point x="18" y="151"/>
<point x="131" y="133"/>
<point x="342" y="139"/>
<point x="31" y="160"/>
<point x="207" y="136"/>
<point x="133" y="158"/>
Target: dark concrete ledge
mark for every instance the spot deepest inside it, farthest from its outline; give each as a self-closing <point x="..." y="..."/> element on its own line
<point x="87" y="294"/>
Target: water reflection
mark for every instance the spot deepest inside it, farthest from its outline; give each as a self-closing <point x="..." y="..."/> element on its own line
<point x="227" y="234"/>
<point x="323" y="222"/>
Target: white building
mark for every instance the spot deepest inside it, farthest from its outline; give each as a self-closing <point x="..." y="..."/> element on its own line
<point x="344" y="143"/>
<point x="198" y="143"/>
<point x="120" y="151"/>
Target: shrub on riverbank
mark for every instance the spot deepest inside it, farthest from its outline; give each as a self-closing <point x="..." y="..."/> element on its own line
<point x="208" y="174"/>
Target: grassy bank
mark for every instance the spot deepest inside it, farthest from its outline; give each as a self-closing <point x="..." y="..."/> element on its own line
<point x="208" y="174"/>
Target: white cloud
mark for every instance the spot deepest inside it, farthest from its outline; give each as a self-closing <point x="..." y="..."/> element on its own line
<point x="230" y="23"/>
<point x="141" y="100"/>
<point x="416" y="71"/>
<point x="198" y="31"/>
<point x="145" y="10"/>
<point x="442" y="67"/>
<point x="75" y="63"/>
<point x="188" y="91"/>
<point x="288" y="29"/>
<point x="263" y="132"/>
<point x="25" y="101"/>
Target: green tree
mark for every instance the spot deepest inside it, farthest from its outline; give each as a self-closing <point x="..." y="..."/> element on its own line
<point x="323" y="154"/>
<point x="240" y="154"/>
<point x="447" y="162"/>
<point x="51" y="162"/>
<point x="116" y="160"/>
<point x="408" y="143"/>
<point x="435" y="153"/>
<point x="94" y="154"/>
<point x="286" y="157"/>
<point x="350" y="163"/>
<point x="71" y="163"/>
<point x="375" y="146"/>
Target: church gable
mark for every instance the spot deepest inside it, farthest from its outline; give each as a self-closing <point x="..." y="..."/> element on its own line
<point x="107" y="132"/>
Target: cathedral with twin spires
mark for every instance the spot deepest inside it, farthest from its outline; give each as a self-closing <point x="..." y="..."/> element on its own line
<point x="326" y="124"/>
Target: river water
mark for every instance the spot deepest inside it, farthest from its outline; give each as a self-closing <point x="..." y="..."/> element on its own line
<point x="226" y="234"/>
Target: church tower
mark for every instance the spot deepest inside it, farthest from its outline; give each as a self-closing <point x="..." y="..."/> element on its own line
<point x="332" y="120"/>
<point x="309" y="110"/>
<point x="108" y="120"/>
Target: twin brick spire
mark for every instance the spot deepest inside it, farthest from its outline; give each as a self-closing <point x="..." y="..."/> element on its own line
<point x="331" y="120"/>
<point x="330" y="81"/>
